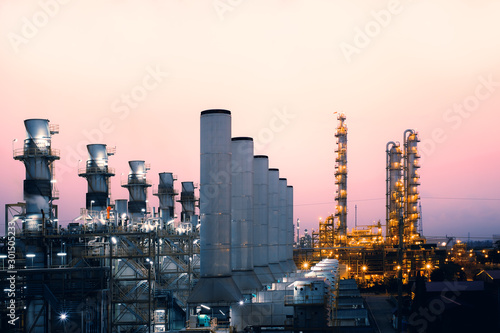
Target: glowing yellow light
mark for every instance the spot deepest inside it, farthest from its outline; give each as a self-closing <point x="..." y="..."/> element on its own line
<point x="428" y="266"/>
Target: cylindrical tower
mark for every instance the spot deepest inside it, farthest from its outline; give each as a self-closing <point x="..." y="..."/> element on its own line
<point x="273" y="222"/>
<point x="216" y="284"/>
<point x="290" y="228"/>
<point x="242" y="214"/>
<point x="341" y="177"/>
<point x="166" y="196"/>
<point x="261" y="225"/>
<point x="38" y="157"/>
<point x="282" y="229"/>
<point x="394" y="190"/>
<point x="412" y="182"/>
<point x="137" y="186"/>
<point x="97" y="174"/>
<point x="188" y="202"/>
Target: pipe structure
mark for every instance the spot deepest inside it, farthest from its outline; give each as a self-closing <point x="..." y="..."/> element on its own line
<point x="121" y="213"/>
<point x="137" y="186"/>
<point x="166" y="195"/>
<point x="411" y="184"/>
<point x="38" y="158"/>
<point x="273" y="220"/>
<point x="216" y="285"/>
<point x="98" y="173"/>
<point x="261" y="216"/>
<point x="242" y="215"/>
<point x="341" y="178"/>
<point x="188" y="202"/>
<point x="290" y="228"/>
<point x="394" y="190"/>
<point x="282" y="229"/>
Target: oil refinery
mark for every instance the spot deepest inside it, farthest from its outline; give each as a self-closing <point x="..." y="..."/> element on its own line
<point x="231" y="262"/>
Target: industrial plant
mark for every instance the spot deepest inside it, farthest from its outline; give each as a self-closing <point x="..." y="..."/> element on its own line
<point x="230" y="262"/>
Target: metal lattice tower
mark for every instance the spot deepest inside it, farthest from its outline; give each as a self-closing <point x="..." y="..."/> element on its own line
<point x="341" y="175"/>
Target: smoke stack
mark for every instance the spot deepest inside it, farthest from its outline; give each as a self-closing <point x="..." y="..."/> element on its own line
<point x="289" y="228"/>
<point x="261" y="225"/>
<point x="166" y="196"/>
<point x="38" y="157"/>
<point x="188" y="202"/>
<point x="282" y="229"/>
<point x="97" y="174"/>
<point x="273" y="220"/>
<point x="242" y="214"/>
<point x="137" y="186"/>
<point x="216" y="285"/>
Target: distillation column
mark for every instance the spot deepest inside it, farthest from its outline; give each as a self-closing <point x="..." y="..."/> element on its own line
<point x="38" y="157"/>
<point x="341" y="177"/>
<point x="166" y="196"/>
<point x="412" y="181"/>
<point x="394" y="190"/>
<point x="137" y="186"/>
<point x="97" y="174"/>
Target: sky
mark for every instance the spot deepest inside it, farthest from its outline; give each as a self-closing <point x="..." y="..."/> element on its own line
<point x="137" y="74"/>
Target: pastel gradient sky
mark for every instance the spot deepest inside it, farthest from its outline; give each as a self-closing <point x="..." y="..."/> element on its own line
<point x="413" y="66"/>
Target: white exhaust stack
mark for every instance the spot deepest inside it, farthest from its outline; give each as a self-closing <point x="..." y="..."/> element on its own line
<point x="282" y="235"/>
<point x="97" y="174"/>
<point x="137" y="186"/>
<point x="242" y="215"/>
<point x="216" y="285"/>
<point x="261" y="225"/>
<point x="166" y="196"/>
<point x="188" y="203"/>
<point x="38" y="157"/>
<point x="273" y="220"/>
<point x="289" y="228"/>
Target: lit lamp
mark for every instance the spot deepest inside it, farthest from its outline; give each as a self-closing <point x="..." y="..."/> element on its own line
<point x="31" y="255"/>
<point x="3" y="257"/>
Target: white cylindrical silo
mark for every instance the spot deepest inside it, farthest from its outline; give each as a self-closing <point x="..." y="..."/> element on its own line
<point x="261" y="227"/>
<point x="216" y="284"/>
<point x="242" y="214"/>
<point x="273" y="222"/>
<point x="289" y="228"/>
<point x="282" y="232"/>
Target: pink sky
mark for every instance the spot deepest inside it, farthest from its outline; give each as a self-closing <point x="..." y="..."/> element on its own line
<point x="259" y="59"/>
